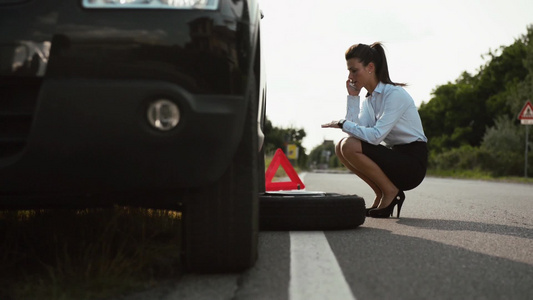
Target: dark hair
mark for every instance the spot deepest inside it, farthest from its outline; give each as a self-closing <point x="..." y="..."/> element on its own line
<point x="373" y="53"/>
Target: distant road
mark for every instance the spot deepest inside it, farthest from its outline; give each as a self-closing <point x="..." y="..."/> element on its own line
<point x="456" y="239"/>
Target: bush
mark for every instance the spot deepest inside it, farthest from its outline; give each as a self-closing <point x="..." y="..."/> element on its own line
<point x="505" y="141"/>
<point x="463" y="158"/>
<point x="480" y="159"/>
<point x="508" y="163"/>
<point x="500" y="154"/>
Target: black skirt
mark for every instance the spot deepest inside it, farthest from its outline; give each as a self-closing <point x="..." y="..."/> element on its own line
<point x="405" y="165"/>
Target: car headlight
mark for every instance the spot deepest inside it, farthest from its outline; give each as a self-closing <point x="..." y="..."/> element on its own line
<point x="152" y="4"/>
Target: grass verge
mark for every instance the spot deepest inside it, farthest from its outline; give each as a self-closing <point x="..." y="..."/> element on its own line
<point x="86" y="254"/>
<point x="477" y="175"/>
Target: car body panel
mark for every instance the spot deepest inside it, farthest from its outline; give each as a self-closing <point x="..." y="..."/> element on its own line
<point x="75" y="84"/>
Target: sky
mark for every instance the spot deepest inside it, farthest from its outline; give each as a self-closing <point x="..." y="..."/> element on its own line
<point x="427" y="42"/>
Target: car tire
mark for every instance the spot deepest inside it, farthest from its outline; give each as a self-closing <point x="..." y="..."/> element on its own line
<point x="310" y="211"/>
<point x="221" y="221"/>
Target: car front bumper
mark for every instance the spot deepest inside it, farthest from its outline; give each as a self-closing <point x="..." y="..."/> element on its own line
<point x="93" y="136"/>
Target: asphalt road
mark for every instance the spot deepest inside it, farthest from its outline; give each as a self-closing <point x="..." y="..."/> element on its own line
<point x="456" y="239"/>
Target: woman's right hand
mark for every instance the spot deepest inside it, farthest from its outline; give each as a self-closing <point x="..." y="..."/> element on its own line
<point x="352" y="89"/>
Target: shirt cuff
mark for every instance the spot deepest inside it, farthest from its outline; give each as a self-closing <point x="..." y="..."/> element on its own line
<point x="353" y="98"/>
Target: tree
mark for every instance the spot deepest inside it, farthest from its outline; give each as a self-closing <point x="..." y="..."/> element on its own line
<point x="279" y="138"/>
<point x="459" y="113"/>
<point x="523" y="91"/>
<point x="472" y="123"/>
<point x="450" y="117"/>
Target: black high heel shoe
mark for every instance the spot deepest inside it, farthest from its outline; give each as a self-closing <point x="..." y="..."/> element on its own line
<point x="367" y="211"/>
<point x="387" y="211"/>
<point x="401" y="199"/>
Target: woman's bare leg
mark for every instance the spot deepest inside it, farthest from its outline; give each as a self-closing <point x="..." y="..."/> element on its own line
<point x="351" y="151"/>
<point x="372" y="185"/>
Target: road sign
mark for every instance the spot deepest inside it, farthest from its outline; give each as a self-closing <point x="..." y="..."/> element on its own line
<point x="292" y="151"/>
<point x="527" y="112"/>
<point x="526" y="118"/>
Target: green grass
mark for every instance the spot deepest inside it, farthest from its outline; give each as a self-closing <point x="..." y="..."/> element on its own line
<point x="86" y="254"/>
<point x="477" y="175"/>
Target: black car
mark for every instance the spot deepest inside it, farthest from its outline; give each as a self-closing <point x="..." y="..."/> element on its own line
<point x="153" y="103"/>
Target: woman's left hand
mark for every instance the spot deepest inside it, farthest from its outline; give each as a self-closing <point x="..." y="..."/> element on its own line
<point x="332" y="124"/>
<point x="353" y="90"/>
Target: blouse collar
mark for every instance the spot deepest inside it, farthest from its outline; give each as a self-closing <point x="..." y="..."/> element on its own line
<point x="379" y="89"/>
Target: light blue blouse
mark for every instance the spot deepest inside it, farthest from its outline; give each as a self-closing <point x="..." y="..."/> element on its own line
<point x="389" y="115"/>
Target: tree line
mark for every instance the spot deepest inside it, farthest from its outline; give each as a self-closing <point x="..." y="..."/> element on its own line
<point x="472" y="123"/>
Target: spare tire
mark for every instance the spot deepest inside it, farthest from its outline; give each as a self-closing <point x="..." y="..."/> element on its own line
<point x="301" y="210"/>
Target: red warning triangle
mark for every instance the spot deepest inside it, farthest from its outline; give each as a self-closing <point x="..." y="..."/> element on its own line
<point x="527" y="112"/>
<point x="294" y="184"/>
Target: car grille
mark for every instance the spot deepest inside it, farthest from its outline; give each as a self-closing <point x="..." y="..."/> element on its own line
<point x="18" y="98"/>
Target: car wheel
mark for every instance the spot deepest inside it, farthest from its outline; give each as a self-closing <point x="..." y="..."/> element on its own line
<point x="221" y="221"/>
<point x="302" y="210"/>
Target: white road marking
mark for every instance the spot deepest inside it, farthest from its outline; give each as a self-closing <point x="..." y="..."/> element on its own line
<point x="315" y="272"/>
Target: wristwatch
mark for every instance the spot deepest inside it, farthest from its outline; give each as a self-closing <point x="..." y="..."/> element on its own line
<point x="341" y="123"/>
